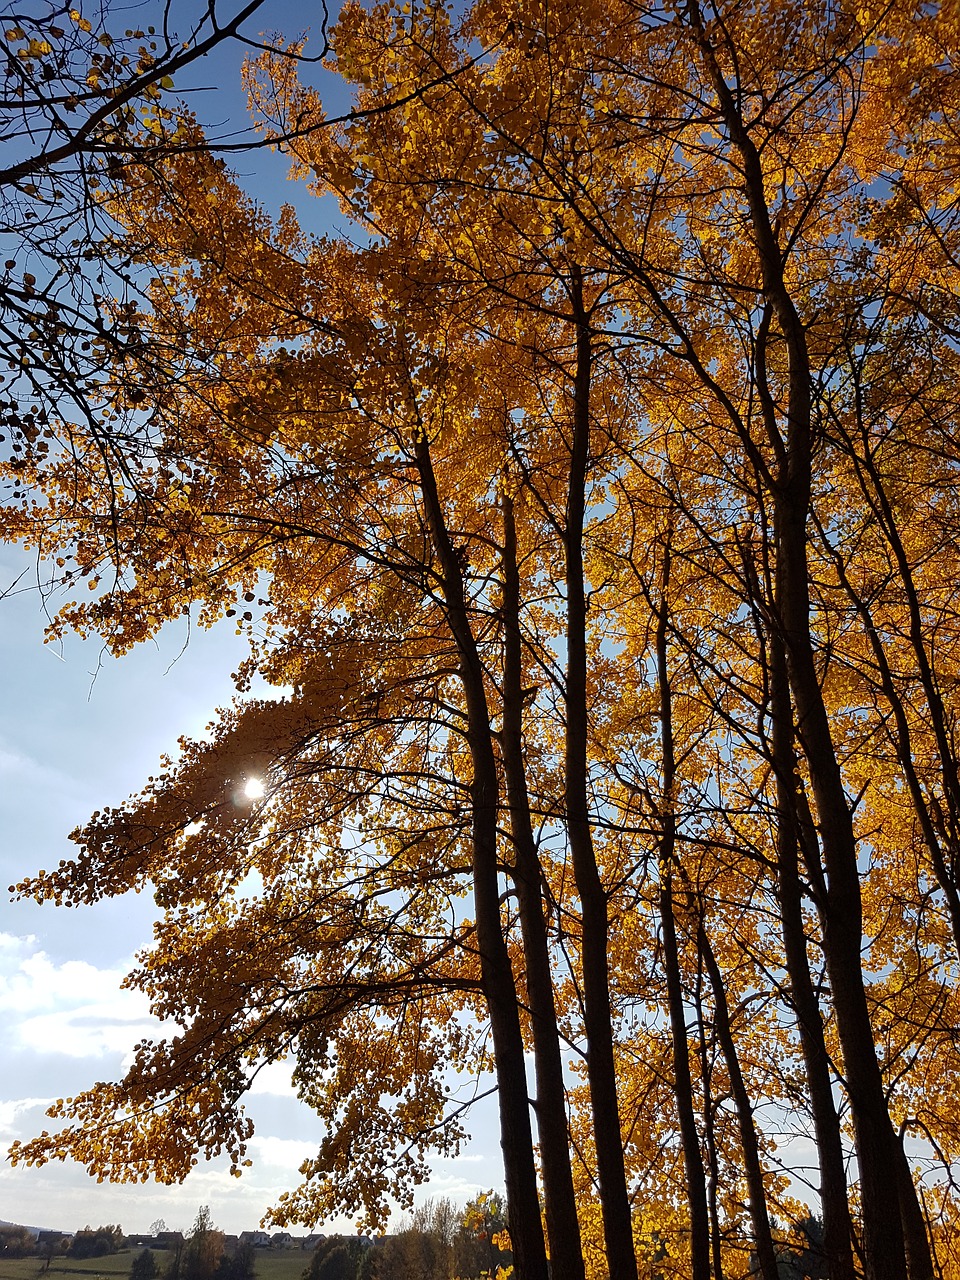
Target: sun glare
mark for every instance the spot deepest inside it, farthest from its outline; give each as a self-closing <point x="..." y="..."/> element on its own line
<point x="254" y="789"/>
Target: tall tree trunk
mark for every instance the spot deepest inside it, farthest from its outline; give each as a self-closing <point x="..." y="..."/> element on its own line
<point x="601" y="1067"/>
<point x="499" y="986"/>
<point x="683" y="1084"/>
<point x="842" y="914"/>
<point x="834" y="1205"/>
<point x="763" y="1239"/>
<point x="560" y="1205"/>
<point x="919" y="1250"/>
<point x="709" y="1131"/>
<point x="842" y="911"/>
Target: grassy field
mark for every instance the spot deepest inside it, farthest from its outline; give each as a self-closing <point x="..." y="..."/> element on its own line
<point x="284" y="1264"/>
<point x="115" y="1264"/>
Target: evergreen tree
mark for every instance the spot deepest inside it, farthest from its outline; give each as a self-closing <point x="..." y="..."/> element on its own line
<point x="144" y="1266"/>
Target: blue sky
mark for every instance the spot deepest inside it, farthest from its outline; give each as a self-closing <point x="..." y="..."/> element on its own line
<point x="80" y="730"/>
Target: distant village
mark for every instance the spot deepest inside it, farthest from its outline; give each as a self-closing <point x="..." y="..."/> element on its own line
<point x="441" y="1241"/>
<point x="256" y="1239"/>
<point x="13" y="1237"/>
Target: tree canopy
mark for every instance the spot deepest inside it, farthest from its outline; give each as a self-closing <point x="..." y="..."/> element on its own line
<point x="589" y="504"/>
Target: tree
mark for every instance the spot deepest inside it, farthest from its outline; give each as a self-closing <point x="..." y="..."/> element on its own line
<point x="96" y="1242"/>
<point x="241" y="1264"/>
<point x="16" y="1242"/>
<point x="84" y="96"/>
<point x="335" y="1258"/>
<point x="581" y="512"/>
<point x="439" y="1242"/>
<point x="203" y="1250"/>
<point x="143" y="1266"/>
<point x="483" y="1241"/>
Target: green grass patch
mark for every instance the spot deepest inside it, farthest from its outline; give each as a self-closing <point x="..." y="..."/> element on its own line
<point x="113" y="1264"/>
<point x="282" y="1264"/>
<point x="20" y="1268"/>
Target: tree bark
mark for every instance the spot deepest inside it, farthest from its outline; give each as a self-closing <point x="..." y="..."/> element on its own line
<point x="499" y="986"/>
<point x="709" y="1131"/>
<point x="842" y="914"/>
<point x="560" y="1205"/>
<point x="763" y="1238"/>
<point x="919" y="1250"/>
<point x="601" y="1067"/>
<point x="683" y="1084"/>
<point x="842" y="910"/>
<point x="834" y="1205"/>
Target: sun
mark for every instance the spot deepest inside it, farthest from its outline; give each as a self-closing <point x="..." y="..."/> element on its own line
<point x="254" y="789"/>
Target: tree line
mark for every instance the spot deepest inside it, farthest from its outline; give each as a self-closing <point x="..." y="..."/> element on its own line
<point x="88" y="1242"/>
<point x="439" y="1241"/>
<point x="590" y="509"/>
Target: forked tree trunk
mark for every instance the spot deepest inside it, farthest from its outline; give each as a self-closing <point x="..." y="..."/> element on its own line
<point x="834" y="1205"/>
<point x="842" y="912"/>
<point x="694" y="1172"/>
<point x="601" y="1067"/>
<point x="560" y="1205"/>
<point x="763" y="1238"/>
<point x="918" y="1252"/>
<point x="499" y="985"/>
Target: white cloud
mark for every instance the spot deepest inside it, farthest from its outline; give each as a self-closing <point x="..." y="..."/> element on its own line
<point x="275" y="1078"/>
<point x="287" y="1153"/>
<point x="454" y="1188"/>
<point x="13" y="1112"/>
<point x="72" y="1008"/>
<point x="13" y="942"/>
<point x="68" y="1023"/>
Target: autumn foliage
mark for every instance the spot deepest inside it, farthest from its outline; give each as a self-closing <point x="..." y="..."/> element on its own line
<point x="590" y="505"/>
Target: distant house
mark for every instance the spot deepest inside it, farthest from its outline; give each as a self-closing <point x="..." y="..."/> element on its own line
<point x="283" y="1240"/>
<point x="311" y="1242"/>
<point x="167" y="1240"/>
<point x="53" y="1238"/>
<point x="259" y="1239"/>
